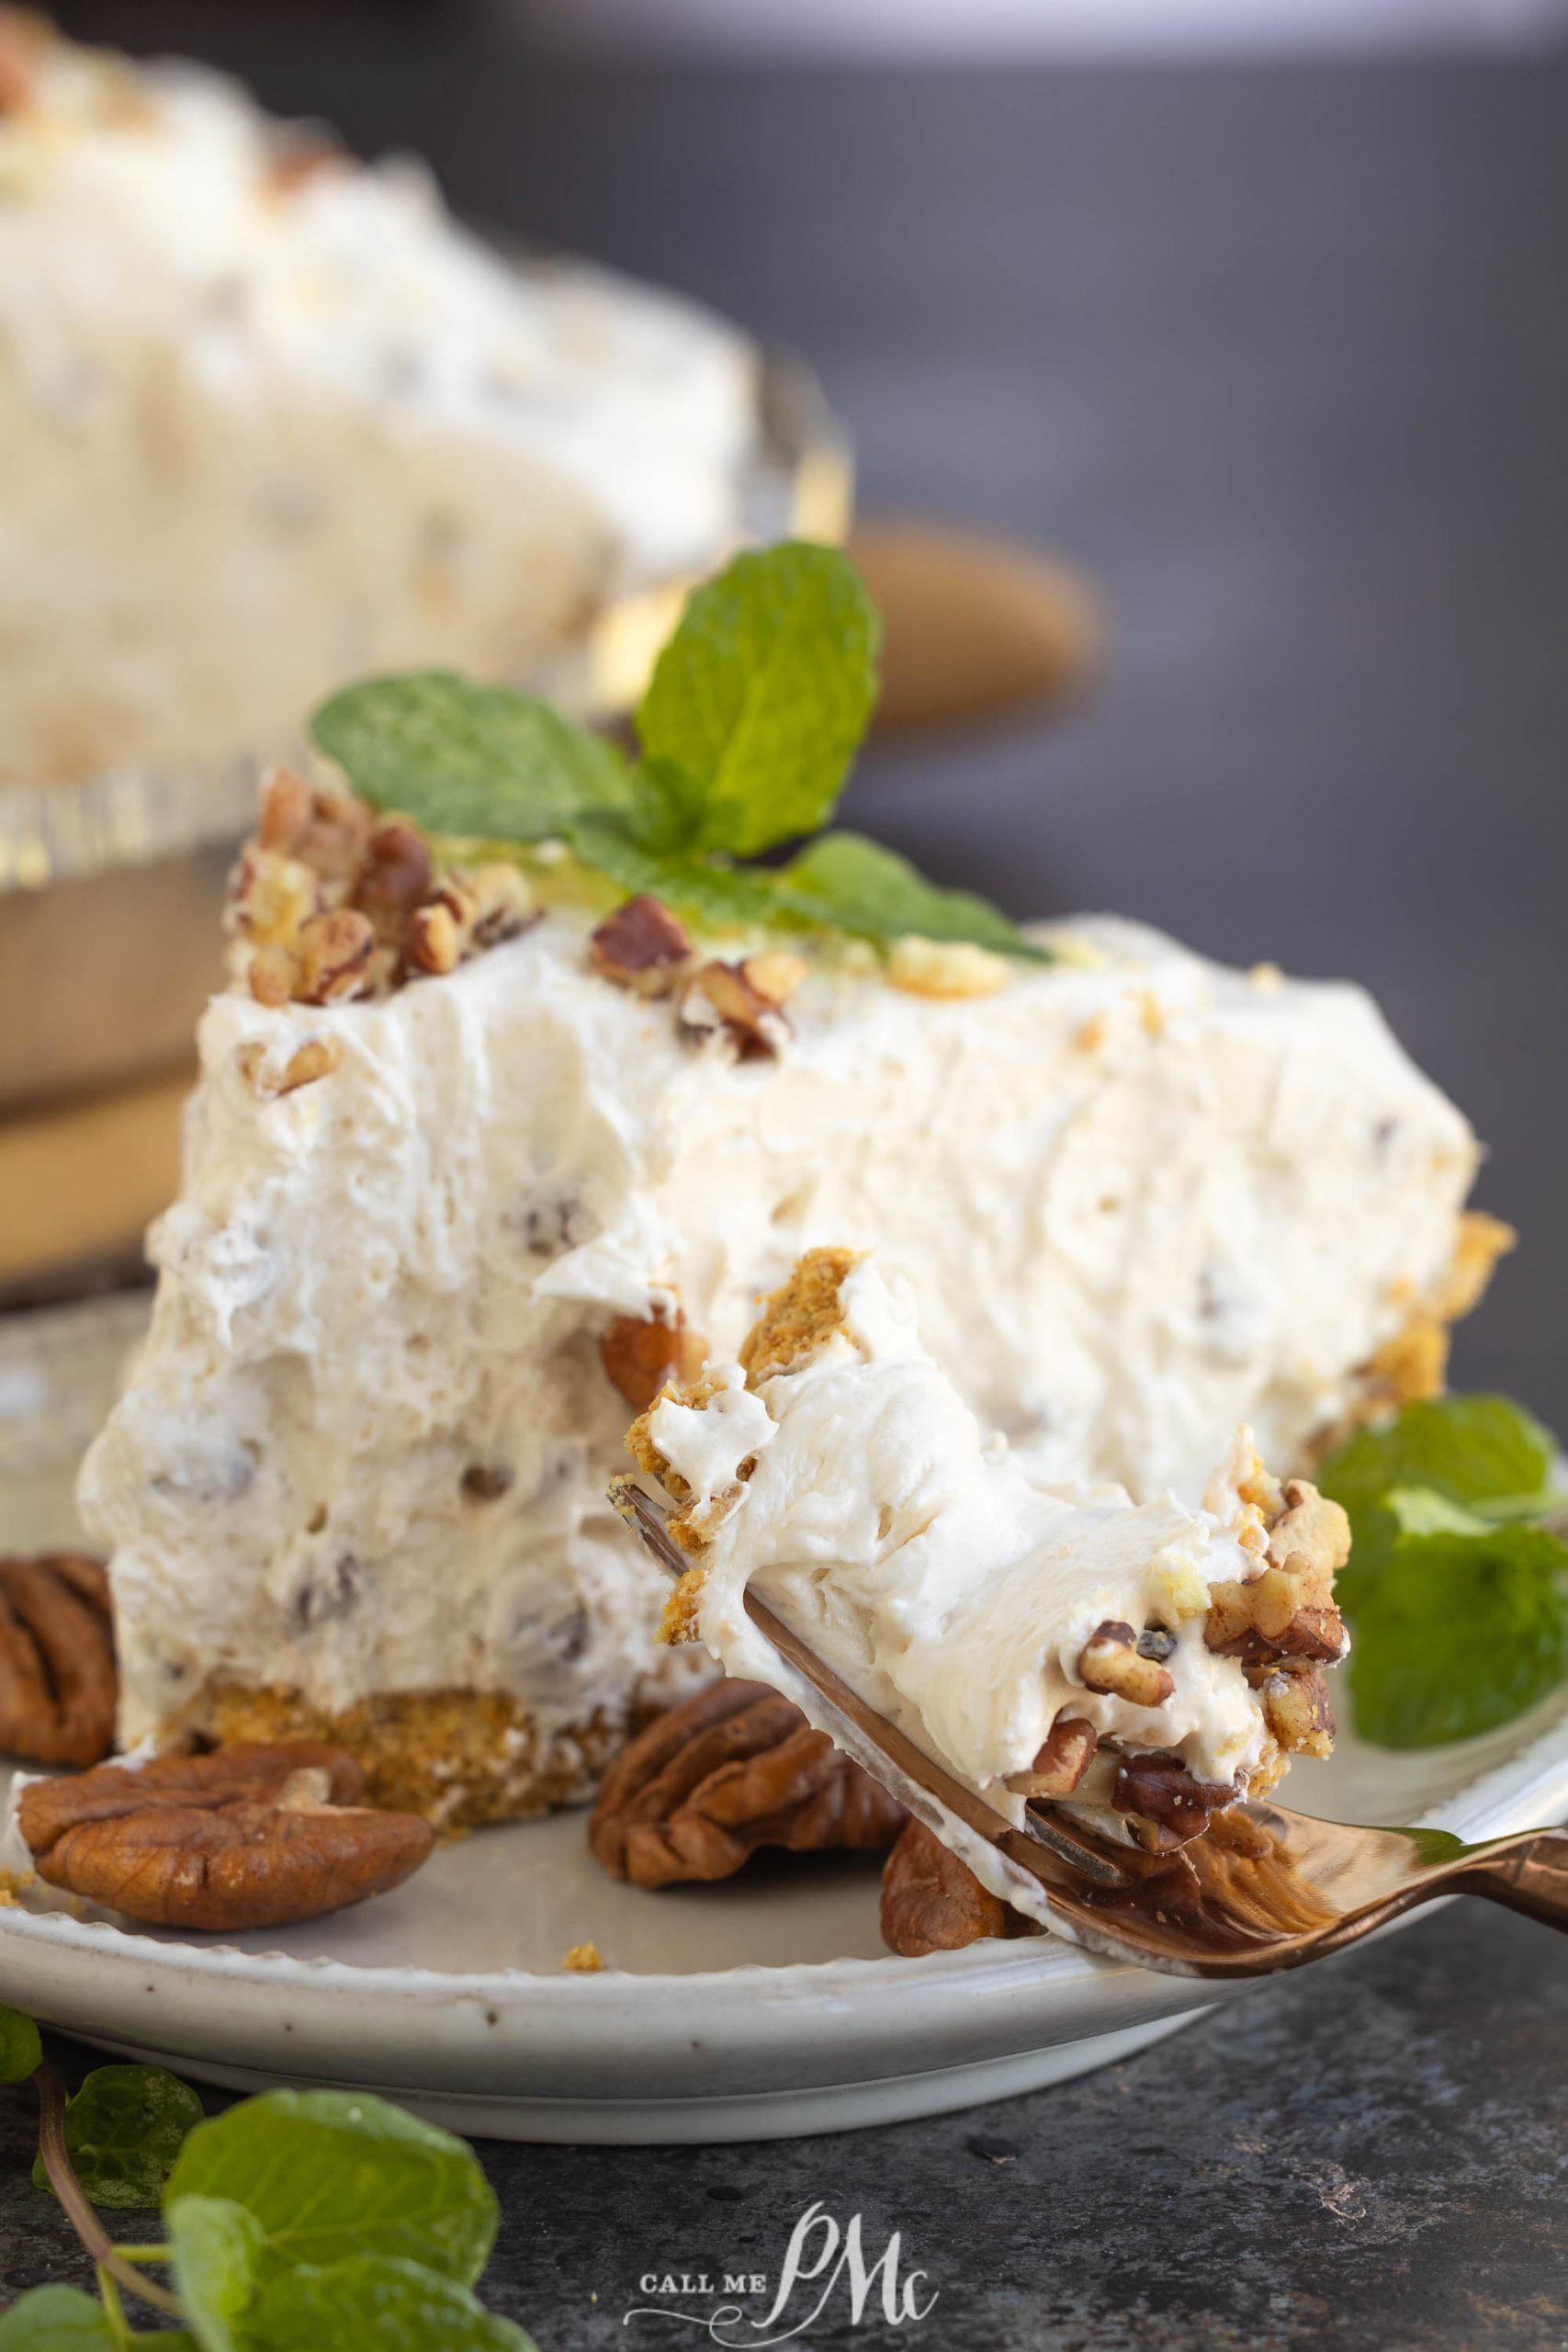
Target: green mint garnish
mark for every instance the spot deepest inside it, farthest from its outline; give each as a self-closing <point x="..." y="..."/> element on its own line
<point x="328" y="2175"/>
<point x="376" y="2304"/>
<point x="857" y="885"/>
<point x="215" y="2247"/>
<point x="762" y="696"/>
<point x="123" y="2132"/>
<point x="1457" y="1595"/>
<point x="61" y="2318"/>
<point x="469" y="759"/>
<point x="20" y="2047"/>
<point x="748" y="730"/>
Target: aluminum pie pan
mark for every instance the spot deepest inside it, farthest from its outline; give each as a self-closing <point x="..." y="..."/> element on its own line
<point x="110" y="886"/>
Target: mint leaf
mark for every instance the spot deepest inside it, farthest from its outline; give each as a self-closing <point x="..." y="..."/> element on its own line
<point x="716" y="896"/>
<point x="215" y="2245"/>
<point x="857" y="885"/>
<point x="332" y="2174"/>
<point x="58" y="2319"/>
<point x="1457" y="1632"/>
<point x="764" y="693"/>
<point x="475" y="761"/>
<point x="376" y="2304"/>
<point x="124" y="2129"/>
<point x="1467" y="1449"/>
<point x="1458" y="1605"/>
<point x="21" y="2051"/>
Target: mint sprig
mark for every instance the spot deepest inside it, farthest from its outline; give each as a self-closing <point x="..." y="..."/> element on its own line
<point x="295" y="2219"/>
<point x="1456" y="1591"/>
<point x="748" y="730"/>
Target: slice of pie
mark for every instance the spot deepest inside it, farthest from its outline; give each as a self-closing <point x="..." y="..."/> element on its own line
<point x="1146" y="1663"/>
<point x="477" y="1162"/>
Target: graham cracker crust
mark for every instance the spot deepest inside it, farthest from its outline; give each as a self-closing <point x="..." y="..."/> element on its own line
<point x="461" y="1758"/>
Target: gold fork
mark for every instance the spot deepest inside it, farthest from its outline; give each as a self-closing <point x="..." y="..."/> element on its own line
<point x="1262" y="1888"/>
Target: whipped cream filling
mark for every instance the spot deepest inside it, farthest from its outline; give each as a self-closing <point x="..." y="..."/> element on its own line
<point x="1136" y="1199"/>
<point x="953" y="1592"/>
<point x="265" y="427"/>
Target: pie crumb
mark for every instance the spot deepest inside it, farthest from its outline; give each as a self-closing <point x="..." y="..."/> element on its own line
<point x="584" y="1960"/>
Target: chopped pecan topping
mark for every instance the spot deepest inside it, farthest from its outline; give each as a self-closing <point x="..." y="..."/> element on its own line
<point x="58" y="1684"/>
<point x="1112" y="1662"/>
<point x="775" y="973"/>
<point x="339" y="905"/>
<point x="247" y="1838"/>
<point x="733" y="1768"/>
<point x="1064" y="1756"/>
<point x="721" y="997"/>
<point x="274" y="975"/>
<point x="287" y="807"/>
<point x="1166" y="1805"/>
<point x="335" y="956"/>
<point x="641" y="947"/>
<point x="933" y="1902"/>
<point x="1287" y="1609"/>
<point x="938" y="968"/>
<point x="394" y="878"/>
<point x="432" y="942"/>
<point x="316" y="1058"/>
<point x="1298" y="1710"/>
<point x="640" y="1353"/>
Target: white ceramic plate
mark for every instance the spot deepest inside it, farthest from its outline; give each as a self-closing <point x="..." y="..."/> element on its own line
<point x="752" y="2010"/>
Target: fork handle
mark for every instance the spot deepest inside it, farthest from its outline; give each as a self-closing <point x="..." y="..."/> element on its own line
<point x="1532" y="1879"/>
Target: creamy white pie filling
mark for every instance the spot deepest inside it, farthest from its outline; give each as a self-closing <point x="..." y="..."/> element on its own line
<point x="1138" y="1199"/>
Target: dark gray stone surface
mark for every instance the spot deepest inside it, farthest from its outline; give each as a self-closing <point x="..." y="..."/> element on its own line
<point x="1283" y="357"/>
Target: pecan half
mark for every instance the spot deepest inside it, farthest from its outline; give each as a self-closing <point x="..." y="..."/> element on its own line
<point x="247" y="1838"/>
<point x="1166" y="1805"/>
<point x="1064" y="1756"/>
<point x="933" y="1901"/>
<point x="1112" y="1662"/>
<point x="733" y="1767"/>
<point x="641" y="947"/>
<point x="58" y="1684"/>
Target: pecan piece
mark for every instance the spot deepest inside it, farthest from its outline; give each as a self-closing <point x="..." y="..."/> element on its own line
<point x="250" y="1836"/>
<point x="733" y="1767"/>
<point x="1112" y="1662"/>
<point x="335" y="956"/>
<point x="1165" y="1803"/>
<point x="393" y="878"/>
<point x="1064" y="1756"/>
<point x="1287" y="1609"/>
<point x="58" y="1684"/>
<point x="722" y="996"/>
<point x="23" y="39"/>
<point x="432" y="942"/>
<point x="1298" y="1710"/>
<point x="640" y="1353"/>
<point x="641" y="947"/>
<point x="933" y="1901"/>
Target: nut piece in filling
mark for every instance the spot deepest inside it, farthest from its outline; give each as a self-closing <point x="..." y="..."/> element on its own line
<point x="1146" y="1663"/>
